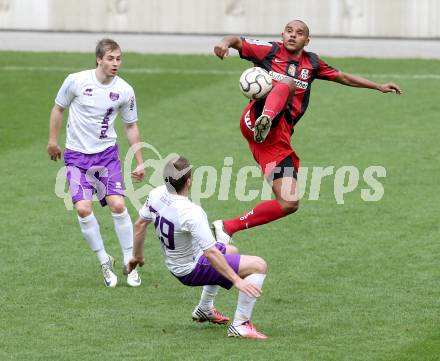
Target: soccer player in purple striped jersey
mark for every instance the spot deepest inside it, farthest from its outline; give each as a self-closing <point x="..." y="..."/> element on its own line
<point x="94" y="98"/>
<point x="194" y="257"/>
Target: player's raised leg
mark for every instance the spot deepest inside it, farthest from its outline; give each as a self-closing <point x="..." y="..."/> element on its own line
<point x="124" y="231"/>
<point x="276" y="102"/>
<point x="91" y="232"/>
<point x="253" y="269"/>
<point x="284" y="187"/>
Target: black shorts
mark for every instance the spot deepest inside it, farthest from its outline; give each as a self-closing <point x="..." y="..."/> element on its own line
<point x="285" y="168"/>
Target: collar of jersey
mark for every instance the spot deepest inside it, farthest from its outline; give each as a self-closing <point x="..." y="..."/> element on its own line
<point x="176" y="196"/>
<point x="99" y="84"/>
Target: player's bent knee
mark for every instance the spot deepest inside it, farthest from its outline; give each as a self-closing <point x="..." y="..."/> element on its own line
<point x="83" y="210"/>
<point x="290" y="207"/>
<point x="260" y="265"/>
<point x="250" y="265"/>
<point x="257" y="265"/>
<point x="117" y="207"/>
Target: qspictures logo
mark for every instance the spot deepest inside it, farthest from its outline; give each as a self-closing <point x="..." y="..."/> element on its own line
<point x="230" y="182"/>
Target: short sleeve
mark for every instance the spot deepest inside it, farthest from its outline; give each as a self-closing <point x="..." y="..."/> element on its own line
<point x="197" y="224"/>
<point x="255" y="50"/>
<point x="66" y="93"/>
<point x="129" y="108"/>
<point x="326" y="72"/>
<point x="145" y="213"/>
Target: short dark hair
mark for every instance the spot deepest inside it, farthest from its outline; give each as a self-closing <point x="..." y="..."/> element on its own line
<point x="105" y="45"/>
<point x="176" y="173"/>
<point x="306" y="28"/>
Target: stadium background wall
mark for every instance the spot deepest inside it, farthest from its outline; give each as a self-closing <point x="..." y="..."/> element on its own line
<point x="354" y="18"/>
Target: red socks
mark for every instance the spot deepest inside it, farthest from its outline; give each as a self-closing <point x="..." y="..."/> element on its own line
<point x="276" y="101"/>
<point x="263" y="213"/>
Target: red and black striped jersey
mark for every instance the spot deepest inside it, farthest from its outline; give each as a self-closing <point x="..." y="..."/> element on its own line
<point x="273" y="57"/>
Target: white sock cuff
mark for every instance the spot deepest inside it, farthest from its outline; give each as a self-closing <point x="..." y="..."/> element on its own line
<point x="120" y="215"/>
<point x="256" y="278"/>
<point x="87" y="219"/>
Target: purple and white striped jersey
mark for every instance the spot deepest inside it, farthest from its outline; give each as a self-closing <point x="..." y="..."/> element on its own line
<point x="93" y="108"/>
<point x="182" y="227"/>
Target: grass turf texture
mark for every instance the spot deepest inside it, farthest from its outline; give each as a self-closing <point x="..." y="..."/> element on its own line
<point x="357" y="281"/>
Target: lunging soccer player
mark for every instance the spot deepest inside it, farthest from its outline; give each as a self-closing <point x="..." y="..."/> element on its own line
<point x="268" y="124"/>
<point x="194" y="257"/>
<point x="94" y="98"/>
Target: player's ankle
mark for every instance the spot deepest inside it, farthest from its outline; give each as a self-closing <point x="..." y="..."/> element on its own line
<point x="269" y="113"/>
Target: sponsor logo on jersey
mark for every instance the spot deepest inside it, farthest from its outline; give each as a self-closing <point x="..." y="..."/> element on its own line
<point x="304" y="74"/>
<point x="278" y="77"/>
<point x="291" y="70"/>
<point x="301" y="84"/>
<point x="88" y="92"/>
<point x="104" y="124"/>
<point x="132" y="102"/>
<point x="114" y="96"/>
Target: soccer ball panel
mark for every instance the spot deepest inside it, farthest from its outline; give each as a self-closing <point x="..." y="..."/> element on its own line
<point x="255" y="83"/>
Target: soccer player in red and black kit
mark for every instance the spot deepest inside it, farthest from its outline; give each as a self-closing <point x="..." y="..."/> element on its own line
<point x="268" y="124"/>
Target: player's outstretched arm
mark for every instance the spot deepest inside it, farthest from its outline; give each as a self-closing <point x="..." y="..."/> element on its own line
<point x="56" y="118"/>
<point x="140" y="231"/>
<point x="134" y="137"/>
<point x="229" y="41"/>
<point x="217" y="260"/>
<point x="360" y="82"/>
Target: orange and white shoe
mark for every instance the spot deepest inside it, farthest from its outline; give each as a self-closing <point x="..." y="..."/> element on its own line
<point x="245" y="330"/>
<point x="212" y="316"/>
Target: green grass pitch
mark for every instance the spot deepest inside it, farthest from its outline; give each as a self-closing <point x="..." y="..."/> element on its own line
<point x="358" y="281"/>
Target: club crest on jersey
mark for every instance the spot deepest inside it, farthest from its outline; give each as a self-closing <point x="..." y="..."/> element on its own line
<point x="304" y="74"/>
<point x="291" y="70"/>
<point x="88" y="92"/>
<point x="114" y="96"/>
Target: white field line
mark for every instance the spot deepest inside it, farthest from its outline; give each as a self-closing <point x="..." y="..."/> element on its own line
<point x="198" y="72"/>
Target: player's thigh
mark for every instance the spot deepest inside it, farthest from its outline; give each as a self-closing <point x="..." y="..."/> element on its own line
<point x="230" y="249"/>
<point x="251" y="264"/>
<point x="116" y="203"/>
<point x="83" y="207"/>
<point x="286" y="194"/>
<point x="285" y="189"/>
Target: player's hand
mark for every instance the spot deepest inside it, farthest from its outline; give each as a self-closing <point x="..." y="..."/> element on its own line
<point x="221" y="50"/>
<point x="390" y="88"/>
<point x="248" y="288"/>
<point x="54" y="151"/>
<point x="134" y="262"/>
<point x="139" y="173"/>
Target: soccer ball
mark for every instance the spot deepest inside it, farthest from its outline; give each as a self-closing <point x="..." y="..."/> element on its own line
<point x="255" y="83"/>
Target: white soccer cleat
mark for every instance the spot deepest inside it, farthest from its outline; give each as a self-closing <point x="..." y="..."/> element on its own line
<point x="262" y="128"/>
<point x="133" y="278"/>
<point x="110" y="279"/>
<point x="246" y="330"/>
<point x="220" y="233"/>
